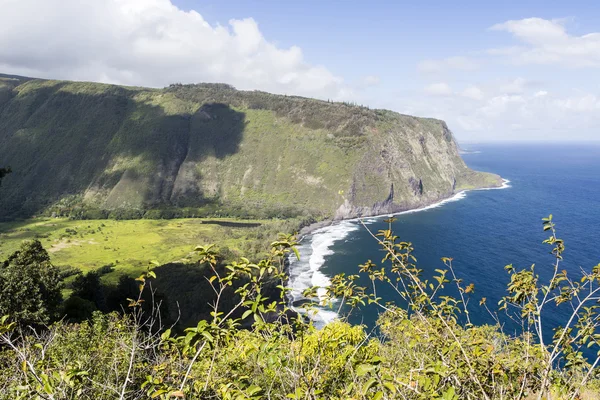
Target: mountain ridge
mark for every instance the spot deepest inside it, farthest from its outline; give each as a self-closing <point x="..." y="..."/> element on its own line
<point x="85" y="145"/>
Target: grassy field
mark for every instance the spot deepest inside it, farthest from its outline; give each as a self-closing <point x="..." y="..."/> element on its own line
<point x="131" y="245"/>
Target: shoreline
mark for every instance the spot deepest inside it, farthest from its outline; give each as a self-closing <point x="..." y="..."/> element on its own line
<point x="309" y="229"/>
<point x="306" y="272"/>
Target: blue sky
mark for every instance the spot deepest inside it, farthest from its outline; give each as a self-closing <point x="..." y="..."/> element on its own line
<point x="389" y="38"/>
<point x="494" y="71"/>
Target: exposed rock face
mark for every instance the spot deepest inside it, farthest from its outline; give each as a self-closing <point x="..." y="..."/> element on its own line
<point x="413" y="164"/>
<point x="115" y="147"/>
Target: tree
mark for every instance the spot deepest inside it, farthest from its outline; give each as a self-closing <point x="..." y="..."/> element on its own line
<point x="89" y="287"/>
<point x="427" y="347"/>
<point x="77" y="309"/>
<point x="30" y="285"/>
<point x="3" y="173"/>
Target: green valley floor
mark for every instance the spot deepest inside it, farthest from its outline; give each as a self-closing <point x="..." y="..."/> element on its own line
<point x="132" y="244"/>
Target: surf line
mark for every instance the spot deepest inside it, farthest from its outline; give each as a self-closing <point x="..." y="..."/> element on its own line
<point x="317" y="245"/>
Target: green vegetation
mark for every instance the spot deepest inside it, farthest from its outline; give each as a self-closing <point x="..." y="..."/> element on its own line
<point x="108" y="254"/>
<point x="129" y="245"/>
<point x="92" y="151"/>
<point x="30" y="286"/>
<point x="252" y="347"/>
<point x="111" y="298"/>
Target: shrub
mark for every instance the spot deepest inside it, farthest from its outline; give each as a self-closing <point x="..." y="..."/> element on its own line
<point x="30" y="285"/>
<point x="252" y="347"/>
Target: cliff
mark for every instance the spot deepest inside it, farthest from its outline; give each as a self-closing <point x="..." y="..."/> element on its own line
<point x="210" y="145"/>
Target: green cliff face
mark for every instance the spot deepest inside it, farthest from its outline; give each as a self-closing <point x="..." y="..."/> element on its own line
<point x="193" y="145"/>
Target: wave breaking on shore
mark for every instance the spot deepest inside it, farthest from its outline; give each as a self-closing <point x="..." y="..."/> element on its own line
<point x="306" y="272"/>
<point x="316" y="246"/>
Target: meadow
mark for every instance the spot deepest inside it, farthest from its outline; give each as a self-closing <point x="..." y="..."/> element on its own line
<point x="130" y="245"/>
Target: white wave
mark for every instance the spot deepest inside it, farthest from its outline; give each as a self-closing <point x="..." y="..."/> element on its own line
<point x="370" y="220"/>
<point x="458" y="196"/>
<point x="324" y="317"/>
<point x="505" y="185"/>
<point x="306" y="272"/>
<point x="314" y="249"/>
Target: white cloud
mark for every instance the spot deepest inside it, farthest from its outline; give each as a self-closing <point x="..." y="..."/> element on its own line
<point x="371" y="80"/>
<point x="517" y="102"/>
<point x="151" y="43"/>
<point x="498" y="105"/>
<point x="535" y="31"/>
<point x="469" y="123"/>
<point x="446" y="64"/>
<point x="584" y="103"/>
<point x="548" y="42"/>
<point x="497" y="115"/>
<point x="473" y="92"/>
<point x="438" y="89"/>
<point x="515" y="86"/>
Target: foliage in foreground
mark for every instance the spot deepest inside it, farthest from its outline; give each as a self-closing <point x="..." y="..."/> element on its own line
<point x="424" y="350"/>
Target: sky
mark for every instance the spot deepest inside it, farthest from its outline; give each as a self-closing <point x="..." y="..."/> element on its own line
<point x="494" y="71"/>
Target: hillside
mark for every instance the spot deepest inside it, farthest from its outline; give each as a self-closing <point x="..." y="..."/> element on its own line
<point x="210" y="146"/>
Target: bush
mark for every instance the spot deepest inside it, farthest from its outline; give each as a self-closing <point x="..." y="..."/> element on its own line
<point x="76" y="309"/>
<point x="30" y="287"/>
<point x="251" y="346"/>
<point x="66" y="271"/>
<point x="125" y="213"/>
<point x="105" y="269"/>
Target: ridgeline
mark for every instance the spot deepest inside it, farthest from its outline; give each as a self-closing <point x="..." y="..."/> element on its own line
<point x="91" y="150"/>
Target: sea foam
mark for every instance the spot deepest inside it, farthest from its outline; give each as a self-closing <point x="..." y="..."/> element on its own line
<point x="314" y="249"/>
<point x="306" y="272"/>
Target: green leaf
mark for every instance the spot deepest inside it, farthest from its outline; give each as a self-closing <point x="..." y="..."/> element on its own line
<point x="208" y="336"/>
<point x="449" y="394"/>
<point x="296" y="252"/>
<point x="252" y="390"/>
<point x="246" y="314"/>
<point x="368" y="385"/>
<point x="389" y="386"/>
<point x="378" y="396"/>
<point x="166" y="334"/>
<point x="158" y="393"/>
<point x="47" y="388"/>
<point x="364" y="369"/>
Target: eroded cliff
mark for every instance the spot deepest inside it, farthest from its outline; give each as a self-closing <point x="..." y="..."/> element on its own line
<point x="209" y="145"/>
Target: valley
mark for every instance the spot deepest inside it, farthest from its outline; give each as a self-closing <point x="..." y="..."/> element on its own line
<point x="129" y="246"/>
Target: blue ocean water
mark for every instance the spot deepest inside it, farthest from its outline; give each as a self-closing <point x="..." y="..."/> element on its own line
<point x="481" y="230"/>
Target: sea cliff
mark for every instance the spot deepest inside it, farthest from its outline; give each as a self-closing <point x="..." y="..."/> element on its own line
<point x="75" y="146"/>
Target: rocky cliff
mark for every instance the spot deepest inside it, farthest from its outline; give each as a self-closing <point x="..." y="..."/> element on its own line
<point x="213" y="147"/>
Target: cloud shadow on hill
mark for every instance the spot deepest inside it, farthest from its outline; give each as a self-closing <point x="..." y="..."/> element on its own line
<point x="63" y="140"/>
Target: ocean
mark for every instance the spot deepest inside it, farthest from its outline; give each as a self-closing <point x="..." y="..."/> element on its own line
<point x="483" y="231"/>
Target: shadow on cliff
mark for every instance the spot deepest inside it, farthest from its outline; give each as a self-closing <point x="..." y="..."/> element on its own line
<point x="61" y="141"/>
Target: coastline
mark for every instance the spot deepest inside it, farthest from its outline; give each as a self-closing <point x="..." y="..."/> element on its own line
<point x="306" y="272"/>
<point x="309" y="229"/>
